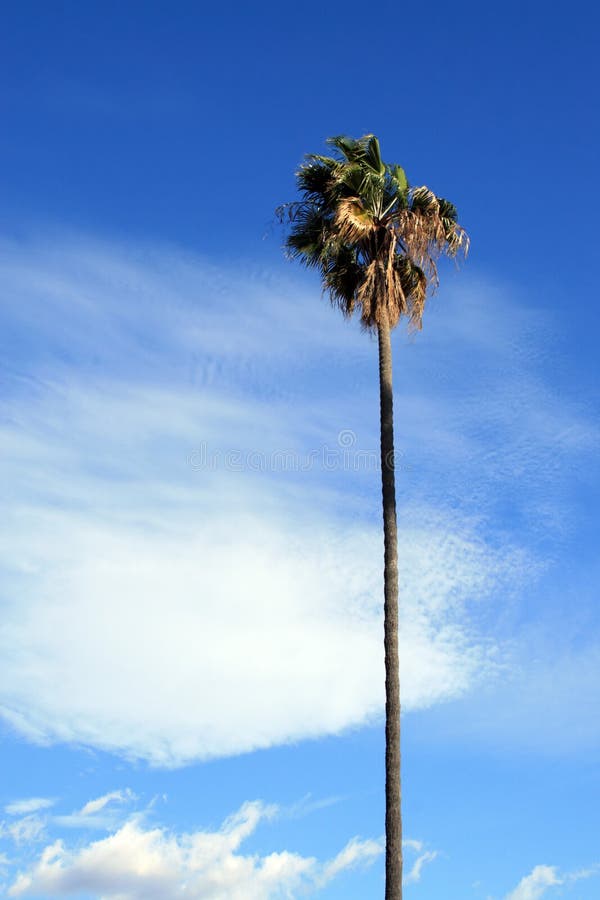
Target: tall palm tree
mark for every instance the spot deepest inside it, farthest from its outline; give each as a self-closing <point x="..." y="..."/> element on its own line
<point x="375" y="241"/>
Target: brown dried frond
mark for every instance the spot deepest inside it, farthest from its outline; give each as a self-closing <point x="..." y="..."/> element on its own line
<point x="407" y="292"/>
<point x="353" y="221"/>
<point x="396" y="303"/>
<point x="367" y="294"/>
<point x="418" y="298"/>
<point x="424" y="237"/>
<point x="458" y="240"/>
<point x="382" y="292"/>
<point x="395" y="297"/>
<point x="372" y="294"/>
<point x="397" y="281"/>
<point x="427" y="231"/>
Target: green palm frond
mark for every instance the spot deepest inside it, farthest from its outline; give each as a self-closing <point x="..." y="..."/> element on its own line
<point x="365" y="151"/>
<point x="447" y="209"/>
<point x="342" y="279"/>
<point x="314" y="179"/>
<point x="397" y="188"/>
<point x="456" y="237"/>
<point x="372" y="155"/>
<point x="423" y="200"/>
<point x="398" y="179"/>
<point x="348" y="147"/>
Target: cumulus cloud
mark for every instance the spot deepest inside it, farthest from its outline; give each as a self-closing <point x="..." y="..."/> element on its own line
<point x="136" y="863"/>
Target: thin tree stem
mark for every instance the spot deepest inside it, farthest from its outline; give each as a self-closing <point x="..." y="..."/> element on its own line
<point x="393" y="809"/>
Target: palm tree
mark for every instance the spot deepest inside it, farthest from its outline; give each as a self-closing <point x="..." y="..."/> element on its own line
<point x="375" y="240"/>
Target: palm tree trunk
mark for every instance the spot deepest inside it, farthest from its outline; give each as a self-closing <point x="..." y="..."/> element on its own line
<point x="393" y="811"/>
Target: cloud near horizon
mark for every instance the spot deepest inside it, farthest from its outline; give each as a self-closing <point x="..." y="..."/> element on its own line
<point x="139" y="863"/>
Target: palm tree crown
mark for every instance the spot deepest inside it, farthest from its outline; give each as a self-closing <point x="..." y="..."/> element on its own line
<point x="374" y="239"/>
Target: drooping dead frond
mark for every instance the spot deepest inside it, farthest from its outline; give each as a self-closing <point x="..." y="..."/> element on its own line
<point x="369" y="291"/>
<point x="457" y="239"/>
<point x="382" y="290"/>
<point x="427" y="229"/>
<point x="415" y="285"/>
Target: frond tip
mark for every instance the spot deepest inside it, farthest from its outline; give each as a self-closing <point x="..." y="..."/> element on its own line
<point x="374" y="239"/>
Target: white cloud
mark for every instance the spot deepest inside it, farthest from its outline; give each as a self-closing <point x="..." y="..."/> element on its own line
<point x="136" y="863"/>
<point x="139" y="627"/>
<point x="412" y="844"/>
<point x="28" y="830"/>
<point x="94" y="806"/>
<point x="307" y="805"/>
<point x="588" y="872"/>
<point x="355" y="853"/>
<point x="535" y="884"/>
<point x="28" y="805"/>
<point x="168" y="612"/>
<point x="102" y="813"/>
<point x="413" y="873"/>
<point x="416" y="870"/>
<point x="541" y="878"/>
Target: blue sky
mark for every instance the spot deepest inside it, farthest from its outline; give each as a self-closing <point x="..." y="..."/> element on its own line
<point x="191" y="666"/>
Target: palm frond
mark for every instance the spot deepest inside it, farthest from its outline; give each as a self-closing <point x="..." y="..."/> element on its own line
<point x="398" y="179"/>
<point x="372" y="154"/>
<point x="353" y="220"/>
<point x="348" y="147"/>
<point x="342" y="278"/>
<point x="423" y="200"/>
<point x="314" y="180"/>
<point x="310" y="236"/>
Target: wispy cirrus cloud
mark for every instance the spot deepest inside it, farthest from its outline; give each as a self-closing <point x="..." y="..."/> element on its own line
<point x="99" y="803"/>
<point x="26" y="830"/>
<point x="28" y="805"/>
<point x="138" y="586"/>
<point x="100" y="813"/>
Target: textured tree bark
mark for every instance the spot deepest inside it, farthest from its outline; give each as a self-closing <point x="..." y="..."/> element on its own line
<point x="393" y="809"/>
